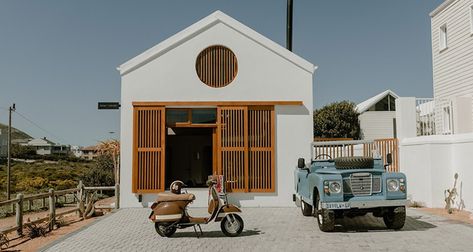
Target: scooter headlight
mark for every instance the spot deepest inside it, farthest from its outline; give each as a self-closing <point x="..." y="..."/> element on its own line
<point x="393" y="185"/>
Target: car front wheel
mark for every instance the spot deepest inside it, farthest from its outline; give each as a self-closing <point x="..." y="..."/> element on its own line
<point x="325" y="217"/>
<point x="395" y="218"/>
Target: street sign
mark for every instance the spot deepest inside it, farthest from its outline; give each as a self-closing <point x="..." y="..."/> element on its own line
<point x="109" y="105"/>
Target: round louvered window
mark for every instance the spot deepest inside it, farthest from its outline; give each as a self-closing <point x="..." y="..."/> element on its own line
<point x="216" y="66"/>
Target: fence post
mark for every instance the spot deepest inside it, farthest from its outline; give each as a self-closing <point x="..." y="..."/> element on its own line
<point x="80" y="186"/>
<point x="52" y="209"/>
<point x="117" y="196"/>
<point x="19" y="214"/>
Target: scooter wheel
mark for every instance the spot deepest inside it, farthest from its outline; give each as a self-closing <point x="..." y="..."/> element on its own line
<point x="232" y="225"/>
<point x="164" y="230"/>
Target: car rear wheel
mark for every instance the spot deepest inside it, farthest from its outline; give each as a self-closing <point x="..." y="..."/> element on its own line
<point x="306" y="209"/>
<point x="395" y="218"/>
<point x="325" y="217"/>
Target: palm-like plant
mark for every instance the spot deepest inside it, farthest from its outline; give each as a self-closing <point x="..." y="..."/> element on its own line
<point x="112" y="148"/>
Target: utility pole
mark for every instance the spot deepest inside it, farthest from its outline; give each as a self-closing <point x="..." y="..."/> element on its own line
<point x="11" y="109"/>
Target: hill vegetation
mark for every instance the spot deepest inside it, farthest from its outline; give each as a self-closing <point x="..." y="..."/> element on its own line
<point x="33" y="178"/>
<point x="16" y="133"/>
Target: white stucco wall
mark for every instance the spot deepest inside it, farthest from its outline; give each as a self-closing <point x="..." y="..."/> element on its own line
<point x="262" y="76"/>
<point x="430" y="163"/>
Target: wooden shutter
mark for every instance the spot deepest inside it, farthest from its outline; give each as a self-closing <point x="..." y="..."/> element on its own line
<point x="233" y="146"/>
<point x="246" y="140"/>
<point x="261" y="149"/>
<point x="148" y="149"/>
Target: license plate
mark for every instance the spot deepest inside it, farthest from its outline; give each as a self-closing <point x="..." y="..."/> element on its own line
<point x="336" y="205"/>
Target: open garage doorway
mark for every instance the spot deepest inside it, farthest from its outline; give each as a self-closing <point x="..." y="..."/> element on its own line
<point x="189" y="155"/>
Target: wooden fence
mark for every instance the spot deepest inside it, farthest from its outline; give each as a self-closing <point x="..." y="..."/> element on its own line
<point x="342" y="148"/>
<point x="51" y="195"/>
<point x="381" y="147"/>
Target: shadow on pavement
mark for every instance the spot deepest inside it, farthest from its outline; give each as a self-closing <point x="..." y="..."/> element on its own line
<point x="370" y="223"/>
<point x="214" y="234"/>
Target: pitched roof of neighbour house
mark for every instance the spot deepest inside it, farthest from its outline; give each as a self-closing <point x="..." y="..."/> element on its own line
<point x="40" y="142"/>
<point x="441" y="7"/>
<point x="364" y="106"/>
<point x="203" y="25"/>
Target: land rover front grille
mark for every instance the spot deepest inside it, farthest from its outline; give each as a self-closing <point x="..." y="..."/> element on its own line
<point x="362" y="184"/>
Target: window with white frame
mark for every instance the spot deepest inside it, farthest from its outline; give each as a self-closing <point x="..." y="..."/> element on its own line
<point x="443" y="37"/>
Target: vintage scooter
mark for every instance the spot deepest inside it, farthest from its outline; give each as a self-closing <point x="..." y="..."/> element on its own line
<point x="170" y="211"/>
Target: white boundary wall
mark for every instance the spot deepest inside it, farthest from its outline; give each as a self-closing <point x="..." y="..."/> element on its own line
<point x="430" y="163"/>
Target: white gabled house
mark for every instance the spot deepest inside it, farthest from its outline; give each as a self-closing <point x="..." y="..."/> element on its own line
<point x="216" y="98"/>
<point x="378" y="116"/>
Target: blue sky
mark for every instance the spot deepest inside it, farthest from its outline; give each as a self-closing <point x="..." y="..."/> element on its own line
<point x="58" y="58"/>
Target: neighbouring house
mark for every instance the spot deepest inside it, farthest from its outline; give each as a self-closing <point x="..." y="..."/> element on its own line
<point x="89" y="152"/>
<point x="378" y="116"/>
<point x="436" y="135"/>
<point x="44" y="146"/>
<point x="216" y="98"/>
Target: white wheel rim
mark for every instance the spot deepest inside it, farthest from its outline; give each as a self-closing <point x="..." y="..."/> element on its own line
<point x="319" y="208"/>
<point x="232" y="226"/>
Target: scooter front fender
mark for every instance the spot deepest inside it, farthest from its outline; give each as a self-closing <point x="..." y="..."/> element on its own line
<point x="227" y="209"/>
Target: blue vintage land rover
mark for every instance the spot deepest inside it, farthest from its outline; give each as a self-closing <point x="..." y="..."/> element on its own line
<point x="347" y="187"/>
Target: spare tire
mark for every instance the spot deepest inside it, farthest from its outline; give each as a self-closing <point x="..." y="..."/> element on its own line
<point x="354" y="162"/>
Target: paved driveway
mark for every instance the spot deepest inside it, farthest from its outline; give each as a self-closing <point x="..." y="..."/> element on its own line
<point x="273" y="229"/>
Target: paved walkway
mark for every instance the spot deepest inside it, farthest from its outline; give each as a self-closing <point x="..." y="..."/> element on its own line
<point x="273" y="229"/>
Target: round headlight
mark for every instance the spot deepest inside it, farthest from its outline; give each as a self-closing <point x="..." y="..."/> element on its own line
<point x="393" y="185"/>
<point x="335" y="187"/>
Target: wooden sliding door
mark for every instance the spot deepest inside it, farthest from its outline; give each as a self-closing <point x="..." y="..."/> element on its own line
<point x="261" y="149"/>
<point x="232" y="150"/>
<point x="148" y="149"/>
<point x="245" y="138"/>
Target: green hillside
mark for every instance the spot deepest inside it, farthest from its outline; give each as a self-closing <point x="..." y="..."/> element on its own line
<point x="16" y="133"/>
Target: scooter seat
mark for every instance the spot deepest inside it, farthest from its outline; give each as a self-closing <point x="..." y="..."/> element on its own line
<point x="166" y="196"/>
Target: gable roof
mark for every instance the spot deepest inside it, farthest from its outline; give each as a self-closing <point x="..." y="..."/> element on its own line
<point x="364" y="106"/>
<point x="204" y="24"/>
<point x="40" y="142"/>
<point x="441" y="7"/>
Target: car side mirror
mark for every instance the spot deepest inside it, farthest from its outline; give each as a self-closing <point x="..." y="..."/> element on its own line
<point x="389" y="158"/>
<point x="300" y="163"/>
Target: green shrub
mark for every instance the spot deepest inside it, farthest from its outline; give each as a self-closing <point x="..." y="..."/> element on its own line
<point x="337" y="120"/>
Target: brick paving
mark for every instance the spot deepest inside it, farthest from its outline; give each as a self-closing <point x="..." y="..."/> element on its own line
<point x="273" y="229"/>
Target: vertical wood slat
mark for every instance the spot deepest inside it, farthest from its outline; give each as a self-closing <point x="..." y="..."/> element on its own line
<point x="216" y="66"/>
<point x="148" y="149"/>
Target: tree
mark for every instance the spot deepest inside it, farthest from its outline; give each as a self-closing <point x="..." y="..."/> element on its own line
<point x="111" y="148"/>
<point x="338" y="119"/>
<point x="20" y="151"/>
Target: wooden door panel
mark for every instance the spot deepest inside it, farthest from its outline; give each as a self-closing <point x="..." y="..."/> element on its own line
<point x="261" y="149"/>
<point x="233" y="146"/>
<point x="148" y="149"/>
